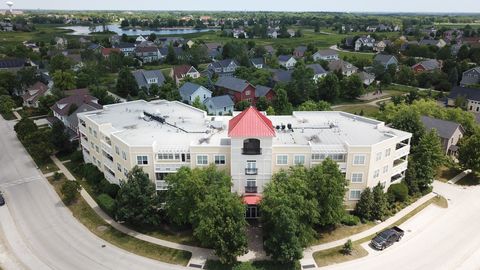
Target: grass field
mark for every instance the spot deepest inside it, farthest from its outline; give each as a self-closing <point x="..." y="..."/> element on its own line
<point x="43" y="33"/>
<point x="87" y="216"/>
<point x="256" y="265"/>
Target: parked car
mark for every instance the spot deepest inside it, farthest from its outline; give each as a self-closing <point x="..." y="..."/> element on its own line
<point x="2" y="200"/>
<point x="387" y="238"/>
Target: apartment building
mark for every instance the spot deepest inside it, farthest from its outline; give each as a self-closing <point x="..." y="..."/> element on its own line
<point x="162" y="136"/>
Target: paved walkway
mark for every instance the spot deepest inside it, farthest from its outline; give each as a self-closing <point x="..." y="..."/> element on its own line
<point x="371" y="103"/>
<point x="308" y="252"/>
<point x="459" y="176"/>
<point x="199" y="255"/>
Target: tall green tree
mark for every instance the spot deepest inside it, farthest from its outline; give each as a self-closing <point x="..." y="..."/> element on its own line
<point x="380" y="203"/>
<point x="409" y="120"/>
<point x="6" y="104"/>
<point x="302" y="85"/>
<point x="198" y="104"/>
<point x="329" y="88"/>
<point x="280" y="103"/>
<point x="171" y="57"/>
<point x="137" y="202"/>
<point x="59" y="138"/>
<point x="24" y="127"/>
<point x="126" y="83"/>
<point x="329" y="186"/>
<point x="64" y="80"/>
<point x="363" y="208"/>
<point x="352" y="87"/>
<point x="469" y="152"/>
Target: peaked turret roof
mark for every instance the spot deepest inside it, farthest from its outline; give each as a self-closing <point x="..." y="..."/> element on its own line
<point x="250" y="123"/>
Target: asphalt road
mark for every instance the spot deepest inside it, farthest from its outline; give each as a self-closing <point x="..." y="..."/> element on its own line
<point x="440" y="239"/>
<point x="39" y="230"/>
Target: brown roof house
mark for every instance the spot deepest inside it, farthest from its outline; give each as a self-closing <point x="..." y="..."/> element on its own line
<point x="34" y="93"/>
<point x="66" y="109"/>
<point x="179" y="73"/>
<point x="449" y="132"/>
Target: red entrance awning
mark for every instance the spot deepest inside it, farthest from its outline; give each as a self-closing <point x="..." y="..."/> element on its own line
<point x="252" y="200"/>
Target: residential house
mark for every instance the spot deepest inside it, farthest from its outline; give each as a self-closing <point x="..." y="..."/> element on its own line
<point x="471" y="96"/>
<point x="178" y="51"/>
<point x="213" y="49"/>
<point x="318" y="71"/>
<point x="270" y="50"/>
<point x="190" y="43"/>
<point x="291" y="32"/>
<point x="146" y="78"/>
<point x="470" y="77"/>
<point x="299" y="51"/>
<point x="239" y="33"/>
<point x="140" y="39"/>
<point x="61" y="43"/>
<point x="264" y="91"/>
<point x="472" y="42"/>
<point x="76" y="59"/>
<point x="449" y="132"/>
<point x="32" y="46"/>
<point x="381" y="45"/>
<point x="67" y="109"/>
<point x="219" y="105"/>
<point x="115" y="39"/>
<point x="34" y="93"/>
<point x="223" y="68"/>
<point x="257" y="62"/>
<point x="428" y="65"/>
<point x="272" y="33"/>
<point x="327" y="55"/>
<point x="106" y="52"/>
<point x="367" y="78"/>
<point x="148" y="54"/>
<point x="281" y="76"/>
<point x="126" y="48"/>
<point x="238" y="89"/>
<point x="95" y="47"/>
<point x="12" y="64"/>
<point x="364" y="43"/>
<point x="190" y="91"/>
<point x="349" y="42"/>
<point x="287" y="61"/>
<point x="385" y="60"/>
<point x="408" y="44"/>
<point x="179" y="73"/>
<point x="453" y="35"/>
<point x="440" y="43"/>
<point x="345" y="67"/>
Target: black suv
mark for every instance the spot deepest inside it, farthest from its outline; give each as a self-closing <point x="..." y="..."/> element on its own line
<point x="387" y="238"/>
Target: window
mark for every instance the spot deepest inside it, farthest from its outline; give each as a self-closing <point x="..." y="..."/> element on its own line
<point x="357" y="177"/>
<point x="282" y="159"/>
<point x="97" y="149"/>
<point x="167" y="156"/>
<point x="387" y="152"/>
<point x="90" y="130"/>
<point x="202" y="160"/>
<point x="125" y="172"/>
<point x="359" y="160"/>
<point x="124" y="155"/>
<point x="142" y="160"/>
<point x="117" y="150"/>
<point x="355" y="194"/>
<point x="119" y="167"/>
<point x="160" y="176"/>
<point x="378" y="156"/>
<point x="376" y="173"/>
<point x="93" y="145"/>
<point x="95" y="133"/>
<point x="385" y="169"/>
<point x="251" y="183"/>
<point x="247" y="93"/>
<point x="299" y="160"/>
<point x="220" y="160"/>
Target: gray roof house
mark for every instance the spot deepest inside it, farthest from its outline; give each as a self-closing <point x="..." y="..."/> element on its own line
<point x="257" y="62"/>
<point x="145" y="78"/>
<point x="449" y="132"/>
<point x="190" y="91"/>
<point x="440" y="43"/>
<point x="328" y="55"/>
<point x="367" y="78"/>
<point x="287" y="61"/>
<point x="385" y="60"/>
<point x="219" y="105"/>
<point x="281" y="76"/>
<point x="471" y="96"/>
<point x="345" y="67"/>
<point x="318" y="71"/>
<point x="471" y="76"/>
<point x="262" y="91"/>
<point x="224" y="67"/>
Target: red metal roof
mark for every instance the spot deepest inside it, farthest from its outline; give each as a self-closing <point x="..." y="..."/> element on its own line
<point x="250" y="123"/>
<point x="252" y="199"/>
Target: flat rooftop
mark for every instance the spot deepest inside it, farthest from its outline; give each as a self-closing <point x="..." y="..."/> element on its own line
<point x="172" y="125"/>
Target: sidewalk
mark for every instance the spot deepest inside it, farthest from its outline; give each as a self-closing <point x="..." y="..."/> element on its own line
<point x="459" y="176"/>
<point x="199" y="255"/>
<point x="308" y="252"/>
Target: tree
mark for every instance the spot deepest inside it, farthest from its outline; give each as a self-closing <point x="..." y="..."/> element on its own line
<point x="64" y="80"/>
<point x="171" y="57"/>
<point x="469" y="154"/>
<point x="262" y="103"/>
<point x="139" y="189"/>
<point x="280" y="103"/>
<point x="27" y="76"/>
<point x="302" y="85"/>
<point x="242" y="105"/>
<point x="308" y="105"/>
<point x="347" y="247"/>
<point x="60" y="62"/>
<point x="270" y="110"/>
<point x="198" y="104"/>
<point x="329" y="186"/>
<point x="453" y="76"/>
<point x="405" y="76"/>
<point x="329" y="88"/>
<point x="398" y="192"/>
<point x="70" y="191"/>
<point x="169" y="91"/>
<point x="289" y="212"/>
<point x="126" y="83"/>
<point x="24" y="127"/>
<point x="6" y="104"/>
<point x="409" y="120"/>
<point x="220" y="223"/>
<point x="364" y="206"/>
<point x="380" y="203"/>
<point x="59" y="138"/>
<point x="353" y="87"/>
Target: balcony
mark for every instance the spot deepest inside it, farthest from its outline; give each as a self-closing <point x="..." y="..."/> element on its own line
<point x="402" y="151"/>
<point x="250" y="189"/>
<point x="251" y="151"/>
<point x="251" y="171"/>
<point x="399" y="166"/>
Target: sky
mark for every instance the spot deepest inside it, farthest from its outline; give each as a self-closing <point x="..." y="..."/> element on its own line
<point x="255" y="5"/>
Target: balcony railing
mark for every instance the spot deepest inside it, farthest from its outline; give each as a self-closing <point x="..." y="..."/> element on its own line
<point x="251" y="171"/>
<point x="251" y="151"/>
<point x="250" y="189"/>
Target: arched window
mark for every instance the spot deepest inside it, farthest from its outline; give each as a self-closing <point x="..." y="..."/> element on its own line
<point x="251" y="147"/>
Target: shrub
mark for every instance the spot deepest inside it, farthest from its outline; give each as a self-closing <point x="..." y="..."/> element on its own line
<point x="104" y="186"/>
<point x="76" y="157"/>
<point x="398" y="192"/>
<point x="350" y="220"/>
<point x="70" y="191"/>
<point x="347" y="247"/>
<point x="57" y="176"/>
<point x="107" y="203"/>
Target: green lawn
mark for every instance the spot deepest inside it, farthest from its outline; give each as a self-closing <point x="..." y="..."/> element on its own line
<point x="341" y="231"/>
<point x="43" y="33"/>
<point x="445" y="173"/>
<point x="87" y="216"/>
<point x="256" y="265"/>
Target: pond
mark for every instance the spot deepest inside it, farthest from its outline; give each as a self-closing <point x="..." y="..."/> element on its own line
<point x="84" y="30"/>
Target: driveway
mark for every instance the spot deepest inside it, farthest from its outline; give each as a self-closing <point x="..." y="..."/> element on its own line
<point x="40" y="230"/>
<point x="435" y="239"/>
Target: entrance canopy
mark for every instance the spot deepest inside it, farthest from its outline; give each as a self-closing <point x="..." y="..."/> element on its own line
<point x="252" y="199"/>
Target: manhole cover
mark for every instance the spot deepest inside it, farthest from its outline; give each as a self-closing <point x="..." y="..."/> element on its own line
<point x="308" y="266"/>
<point x="195" y="265"/>
<point x="102" y="228"/>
